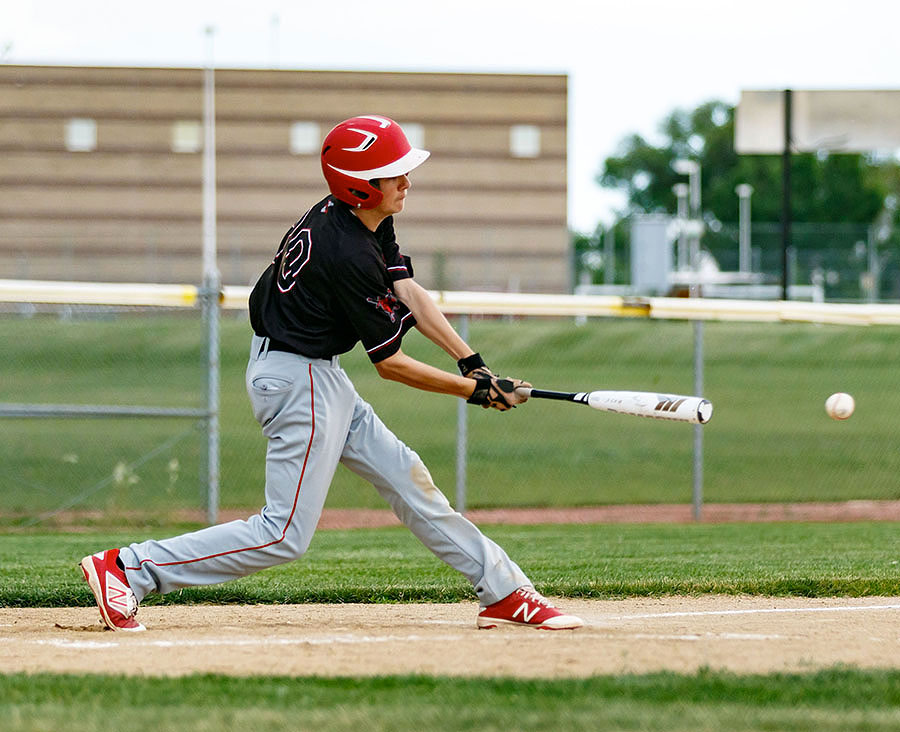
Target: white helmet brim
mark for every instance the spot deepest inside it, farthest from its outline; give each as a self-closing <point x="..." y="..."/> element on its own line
<point x="413" y="159"/>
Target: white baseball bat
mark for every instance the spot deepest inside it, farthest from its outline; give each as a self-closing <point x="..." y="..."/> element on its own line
<point x="672" y="407"/>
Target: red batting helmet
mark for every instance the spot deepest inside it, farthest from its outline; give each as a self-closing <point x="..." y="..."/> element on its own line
<point x="364" y="148"/>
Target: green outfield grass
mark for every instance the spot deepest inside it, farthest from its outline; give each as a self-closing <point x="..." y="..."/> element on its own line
<point x="838" y="700"/>
<point x="390" y="565"/>
<point x="769" y="439"/>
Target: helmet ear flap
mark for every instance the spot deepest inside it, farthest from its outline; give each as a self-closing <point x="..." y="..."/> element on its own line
<point x="357" y="193"/>
<point x="364" y="197"/>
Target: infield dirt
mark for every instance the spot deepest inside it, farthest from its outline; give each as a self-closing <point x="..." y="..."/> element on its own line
<point x="741" y="634"/>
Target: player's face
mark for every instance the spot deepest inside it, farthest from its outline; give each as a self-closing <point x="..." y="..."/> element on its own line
<point x="393" y="191"/>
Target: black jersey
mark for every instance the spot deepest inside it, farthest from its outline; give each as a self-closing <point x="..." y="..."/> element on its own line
<point x="330" y="286"/>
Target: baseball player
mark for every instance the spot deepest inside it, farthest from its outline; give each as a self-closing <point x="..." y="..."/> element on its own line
<point x="337" y="279"/>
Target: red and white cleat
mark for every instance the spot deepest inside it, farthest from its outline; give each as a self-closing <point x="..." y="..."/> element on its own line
<point x="526" y="607"/>
<point x="114" y="597"/>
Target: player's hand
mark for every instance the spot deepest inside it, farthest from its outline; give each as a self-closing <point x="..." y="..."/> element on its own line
<point x="473" y="367"/>
<point x="497" y="393"/>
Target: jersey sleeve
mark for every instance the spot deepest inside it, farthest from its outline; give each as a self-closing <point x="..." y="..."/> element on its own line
<point x="376" y="314"/>
<point x="399" y="266"/>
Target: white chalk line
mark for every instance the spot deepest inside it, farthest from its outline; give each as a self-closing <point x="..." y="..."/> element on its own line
<point x="752" y="611"/>
<point x="94" y="645"/>
<point x="238" y="642"/>
<point x="457" y="623"/>
<point x="693" y="637"/>
<point x="698" y="636"/>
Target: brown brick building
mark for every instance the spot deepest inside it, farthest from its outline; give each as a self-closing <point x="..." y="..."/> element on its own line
<point x="101" y="171"/>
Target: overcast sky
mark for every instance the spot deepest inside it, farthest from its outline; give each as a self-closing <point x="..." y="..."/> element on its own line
<point x="630" y="62"/>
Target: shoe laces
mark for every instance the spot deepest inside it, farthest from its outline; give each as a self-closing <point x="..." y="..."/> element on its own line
<point x="131" y="604"/>
<point x="533" y="595"/>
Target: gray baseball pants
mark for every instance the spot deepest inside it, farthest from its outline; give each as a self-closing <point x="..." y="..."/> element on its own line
<point x="313" y="418"/>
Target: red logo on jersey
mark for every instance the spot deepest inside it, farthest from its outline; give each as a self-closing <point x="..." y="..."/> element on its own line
<point x="386" y="304"/>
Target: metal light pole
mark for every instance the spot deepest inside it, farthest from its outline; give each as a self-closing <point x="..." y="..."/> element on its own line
<point x="609" y="257"/>
<point x="744" y="191"/>
<point x="275" y="27"/>
<point x="462" y="432"/>
<point x="691" y="168"/>
<point x="681" y="194"/>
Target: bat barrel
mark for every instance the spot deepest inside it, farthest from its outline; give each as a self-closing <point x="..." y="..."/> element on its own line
<point x="673" y="408"/>
<point x="670" y="407"/>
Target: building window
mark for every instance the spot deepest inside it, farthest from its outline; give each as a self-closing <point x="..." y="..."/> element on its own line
<point x="305" y="138"/>
<point x="525" y="141"/>
<point x="81" y="135"/>
<point x="415" y="133"/>
<point x="187" y="136"/>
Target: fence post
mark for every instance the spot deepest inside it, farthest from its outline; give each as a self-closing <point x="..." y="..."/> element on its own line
<point x="210" y="299"/>
<point x="697" y="493"/>
<point x="461" y="432"/>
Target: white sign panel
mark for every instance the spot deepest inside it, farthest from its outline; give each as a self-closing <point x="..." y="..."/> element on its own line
<point x="852" y="121"/>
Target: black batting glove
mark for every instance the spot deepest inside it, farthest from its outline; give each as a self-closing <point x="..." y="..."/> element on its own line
<point x="470" y="363"/>
<point x="474" y="367"/>
<point x="496" y="393"/>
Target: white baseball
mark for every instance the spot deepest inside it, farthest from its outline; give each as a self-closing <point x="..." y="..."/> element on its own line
<point x="840" y="405"/>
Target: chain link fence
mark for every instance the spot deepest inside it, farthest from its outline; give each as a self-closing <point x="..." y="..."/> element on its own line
<point x="852" y="262"/>
<point x="110" y="411"/>
<point x="769" y="439"/>
<point x="849" y="262"/>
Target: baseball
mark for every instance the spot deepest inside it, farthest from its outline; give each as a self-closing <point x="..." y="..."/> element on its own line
<point x="840" y="405"/>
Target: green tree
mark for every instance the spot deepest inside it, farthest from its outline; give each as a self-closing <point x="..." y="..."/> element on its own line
<point x="825" y="188"/>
